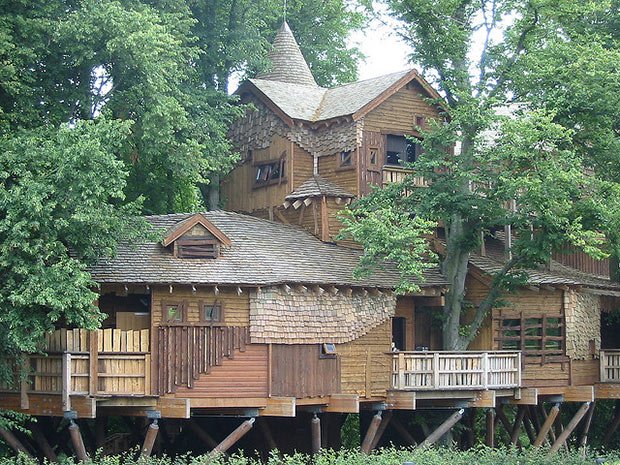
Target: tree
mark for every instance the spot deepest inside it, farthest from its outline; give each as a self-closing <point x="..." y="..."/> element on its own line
<point x="529" y="159"/>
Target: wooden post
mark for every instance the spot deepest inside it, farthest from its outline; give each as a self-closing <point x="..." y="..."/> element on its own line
<point x="13" y="442"/>
<point x="233" y="437"/>
<point x="529" y="425"/>
<point x="202" y="434"/>
<point x="559" y="442"/>
<point x="78" y="442"/>
<point x="400" y="429"/>
<point x="583" y="440"/>
<point x="43" y="443"/>
<point x="315" y="427"/>
<point x="101" y="424"/>
<point x="501" y="417"/>
<point x="442" y="429"/>
<point x="516" y="429"/>
<point x="269" y="439"/>
<point x="546" y="427"/>
<point x="371" y="433"/>
<point x="93" y="363"/>
<point x="614" y="425"/>
<point x="385" y="421"/>
<point x="66" y="382"/>
<point x="490" y="433"/>
<point x="23" y="383"/>
<point x="149" y="439"/>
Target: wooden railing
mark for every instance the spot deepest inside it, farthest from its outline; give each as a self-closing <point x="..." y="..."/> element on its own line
<point x="393" y="174"/>
<point x="82" y="362"/>
<point x="456" y="370"/>
<point x="185" y="352"/>
<point x="610" y="366"/>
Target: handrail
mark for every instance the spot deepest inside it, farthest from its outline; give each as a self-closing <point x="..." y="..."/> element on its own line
<point x="451" y="370"/>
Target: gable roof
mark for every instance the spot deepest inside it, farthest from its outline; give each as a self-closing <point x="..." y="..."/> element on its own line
<point x="261" y="253"/>
<point x="184" y="226"/>
<point x="287" y="62"/>
<point x="317" y="186"/>
<point x="302" y="102"/>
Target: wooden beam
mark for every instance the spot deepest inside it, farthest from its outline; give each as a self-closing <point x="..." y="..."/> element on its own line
<point x="324" y="220"/>
<point x="13" y="442"/>
<point x="201" y="433"/>
<point x="371" y="433"/>
<point x="579" y="394"/>
<point x="267" y="434"/>
<point x="583" y="440"/>
<point x="484" y="399"/>
<point x="525" y="396"/>
<point x="233" y="437"/>
<point x="343" y="403"/>
<point x="43" y="443"/>
<point x="49" y="404"/>
<point x="23" y="383"/>
<point x="559" y="442"/>
<point x="442" y="429"/>
<point x="279" y="407"/>
<point x="401" y="400"/>
<point x="66" y="382"/>
<point x="93" y="363"/>
<point x="546" y="427"/>
<point x="78" y="442"/>
<point x="490" y="428"/>
<point x="500" y="417"/>
<point x="529" y="425"/>
<point x="400" y="429"/>
<point x="149" y="439"/>
<point x="315" y="428"/>
<point x="516" y="429"/>
<point x="385" y="421"/>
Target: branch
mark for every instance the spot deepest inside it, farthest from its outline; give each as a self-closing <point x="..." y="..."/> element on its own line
<point x="491" y="298"/>
<point x="484" y="55"/>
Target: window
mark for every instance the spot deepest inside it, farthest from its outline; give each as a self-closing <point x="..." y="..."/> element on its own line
<point x="539" y="336"/>
<point x="173" y="312"/>
<point x="197" y="247"/>
<point x="420" y="121"/>
<point x="328" y="350"/>
<point x="373" y="156"/>
<point x="401" y="150"/>
<point x="269" y="173"/>
<point x="346" y="158"/>
<point x="249" y="155"/>
<point x="211" y="313"/>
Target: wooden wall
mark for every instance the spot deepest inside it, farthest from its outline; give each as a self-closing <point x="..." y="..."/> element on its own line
<point x="236" y="307"/>
<point x="237" y="190"/>
<point x="537" y="373"/>
<point x="366" y="363"/>
<point x="299" y="371"/>
<point x="344" y="177"/>
<point x="583" y="262"/>
<point x="405" y="308"/>
<point x="303" y="166"/>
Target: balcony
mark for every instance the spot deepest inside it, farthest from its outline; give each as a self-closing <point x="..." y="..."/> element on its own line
<point x="610" y="366"/>
<point x="448" y="371"/>
<point x="393" y="173"/>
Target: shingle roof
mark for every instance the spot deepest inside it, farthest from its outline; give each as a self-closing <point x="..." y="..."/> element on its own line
<point x="262" y="253"/>
<point x="317" y="103"/>
<point x="317" y="186"/>
<point x="287" y="62"/>
<point x="557" y="274"/>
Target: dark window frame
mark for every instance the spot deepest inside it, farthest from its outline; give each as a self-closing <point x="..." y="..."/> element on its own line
<point x="196" y="247"/>
<point x="217" y="304"/>
<point x="413" y="150"/>
<point x="270" y="172"/>
<point x="540" y="335"/>
<point x="181" y="306"/>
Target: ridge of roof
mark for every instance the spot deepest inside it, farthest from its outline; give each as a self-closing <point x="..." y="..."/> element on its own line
<point x="287" y="62"/>
<point x="316" y="186"/>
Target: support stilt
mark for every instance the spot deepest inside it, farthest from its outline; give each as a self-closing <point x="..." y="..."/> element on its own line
<point x="315" y="426"/>
<point x="516" y="429"/>
<point x="583" y="440"/>
<point x="371" y="433"/>
<point x="149" y="439"/>
<point x="614" y="425"/>
<point x="533" y="414"/>
<point x="233" y="437"/>
<point x="400" y="429"/>
<point x="78" y="442"/>
<point x="267" y="434"/>
<point x="385" y="421"/>
<point x="202" y="434"/>
<point x="490" y="430"/>
<point x="546" y="427"/>
<point x="101" y="424"/>
<point x="13" y="442"/>
<point x="43" y="443"/>
<point x="442" y="429"/>
<point x="501" y="417"/>
<point x="559" y="442"/>
<point x="528" y="425"/>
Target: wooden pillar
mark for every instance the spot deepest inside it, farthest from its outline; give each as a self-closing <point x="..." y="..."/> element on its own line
<point x="529" y="425"/>
<point x="315" y="427"/>
<point x="533" y="414"/>
<point x="500" y="417"/>
<point x="559" y="442"/>
<point x="93" y="362"/>
<point x="490" y="429"/>
<point x="442" y="429"/>
<point x="400" y="429"/>
<point x="202" y="434"/>
<point x="101" y="424"/>
<point x="470" y="428"/>
<point x="613" y="426"/>
<point x="43" y="443"/>
<point x="371" y="433"/>
<point x="543" y="412"/>
<point x="78" y="442"/>
<point x="546" y="427"/>
<point x="583" y="440"/>
<point x="267" y="434"/>
<point x="149" y="439"/>
<point x="13" y="442"/>
<point x="385" y="421"/>
<point x="233" y="437"/>
<point x="516" y="429"/>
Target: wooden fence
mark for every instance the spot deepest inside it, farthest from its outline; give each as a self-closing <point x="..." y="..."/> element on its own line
<point x="186" y="352"/>
<point x="610" y="366"/>
<point x="393" y="174"/>
<point x="456" y="370"/>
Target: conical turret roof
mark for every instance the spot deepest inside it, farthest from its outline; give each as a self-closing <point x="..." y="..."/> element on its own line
<point x="287" y="62"/>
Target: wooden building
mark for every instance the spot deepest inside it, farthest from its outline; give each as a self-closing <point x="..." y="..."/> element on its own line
<point x="255" y="313"/>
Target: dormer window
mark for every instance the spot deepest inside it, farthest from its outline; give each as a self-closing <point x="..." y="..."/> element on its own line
<point x="196" y="238"/>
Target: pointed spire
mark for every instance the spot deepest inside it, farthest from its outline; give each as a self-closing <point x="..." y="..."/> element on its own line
<point x="287" y="62"/>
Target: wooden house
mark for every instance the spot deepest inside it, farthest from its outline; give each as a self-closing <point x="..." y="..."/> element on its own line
<point x="256" y="314"/>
